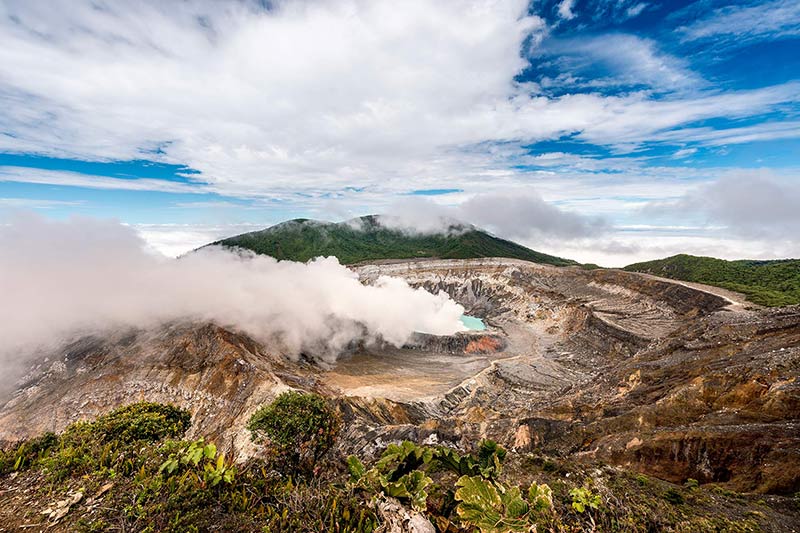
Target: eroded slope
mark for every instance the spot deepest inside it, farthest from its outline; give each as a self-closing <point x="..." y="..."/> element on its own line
<point x="594" y="365"/>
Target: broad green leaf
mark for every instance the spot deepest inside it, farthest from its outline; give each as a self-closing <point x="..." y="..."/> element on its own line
<point x="480" y="504"/>
<point x="210" y="450"/>
<point x="540" y="497"/>
<point x="515" y="506"/>
<point x="356" y="468"/>
<point x="416" y="482"/>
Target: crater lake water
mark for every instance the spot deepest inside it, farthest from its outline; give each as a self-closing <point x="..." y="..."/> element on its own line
<point x="473" y="323"/>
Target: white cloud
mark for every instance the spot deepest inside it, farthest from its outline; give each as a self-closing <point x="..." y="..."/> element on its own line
<point x="310" y="96"/>
<point x="628" y="60"/>
<point x="768" y="131"/>
<point x="76" y="179"/>
<point x="565" y="9"/>
<point x="34" y="203"/>
<point x="754" y="205"/>
<point x="173" y="240"/>
<point x="524" y="215"/>
<point x="85" y="275"/>
<point x="635" y="10"/>
<point x="772" y="19"/>
<point x="316" y="96"/>
<point x="684" y="152"/>
<point x="219" y="204"/>
<point x="625" y="248"/>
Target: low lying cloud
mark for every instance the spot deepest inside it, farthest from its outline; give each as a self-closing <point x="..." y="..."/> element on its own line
<point x="754" y="206"/>
<point x="64" y="278"/>
<point x="514" y="216"/>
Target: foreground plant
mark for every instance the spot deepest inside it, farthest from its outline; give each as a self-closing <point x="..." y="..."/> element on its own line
<point x="202" y="455"/>
<point x="299" y="429"/>
<point x="396" y="474"/>
<point x="495" y="507"/>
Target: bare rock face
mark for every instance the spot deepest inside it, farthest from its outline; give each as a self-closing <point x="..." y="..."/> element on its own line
<point x="603" y="365"/>
<point x="468" y="343"/>
<point x="219" y="375"/>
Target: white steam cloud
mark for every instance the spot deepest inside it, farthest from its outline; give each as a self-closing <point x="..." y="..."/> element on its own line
<point x="61" y="278"/>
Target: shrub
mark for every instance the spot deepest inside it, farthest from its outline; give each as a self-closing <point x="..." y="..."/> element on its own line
<point x="106" y="443"/>
<point x="673" y="496"/>
<point x="24" y="454"/>
<point x="145" y="421"/>
<point x="300" y="428"/>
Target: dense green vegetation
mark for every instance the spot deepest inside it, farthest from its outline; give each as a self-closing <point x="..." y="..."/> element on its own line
<point x="769" y="283"/>
<point x="365" y="239"/>
<point x="299" y="429"/>
<point x="125" y="472"/>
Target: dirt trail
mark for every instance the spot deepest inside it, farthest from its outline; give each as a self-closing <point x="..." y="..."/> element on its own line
<point x="738" y="301"/>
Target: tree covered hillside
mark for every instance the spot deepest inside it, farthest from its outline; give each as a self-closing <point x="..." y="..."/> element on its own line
<point x="366" y="239"/>
<point x="770" y="283"/>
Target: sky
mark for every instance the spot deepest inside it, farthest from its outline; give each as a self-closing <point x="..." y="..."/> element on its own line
<point x="606" y="131"/>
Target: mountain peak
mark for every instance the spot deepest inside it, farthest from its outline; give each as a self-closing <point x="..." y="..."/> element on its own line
<point x="379" y="237"/>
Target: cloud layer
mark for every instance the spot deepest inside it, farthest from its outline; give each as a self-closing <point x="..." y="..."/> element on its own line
<point x="753" y="206"/>
<point x="316" y="96"/>
<point x="335" y="108"/>
<point x="524" y="215"/>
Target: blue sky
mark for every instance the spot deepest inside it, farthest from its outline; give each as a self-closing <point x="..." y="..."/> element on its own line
<point x="607" y="131"/>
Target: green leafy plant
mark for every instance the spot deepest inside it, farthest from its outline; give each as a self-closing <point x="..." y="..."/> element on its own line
<point x="213" y="467"/>
<point x="299" y="427"/>
<point x="583" y="498"/>
<point x="396" y="473"/>
<point x="99" y="445"/>
<point x="400" y="459"/>
<point x="540" y="497"/>
<point x="410" y="487"/>
<point x="487" y="463"/>
<point x="24" y="454"/>
<point x="494" y="507"/>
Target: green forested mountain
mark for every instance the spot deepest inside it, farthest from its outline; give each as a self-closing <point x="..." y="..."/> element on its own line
<point x="365" y="239"/>
<point x="770" y="283"/>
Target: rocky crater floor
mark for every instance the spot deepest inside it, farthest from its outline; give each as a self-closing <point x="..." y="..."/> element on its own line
<point x="605" y="366"/>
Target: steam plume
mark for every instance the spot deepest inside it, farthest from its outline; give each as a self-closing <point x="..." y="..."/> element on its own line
<point x="83" y="275"/>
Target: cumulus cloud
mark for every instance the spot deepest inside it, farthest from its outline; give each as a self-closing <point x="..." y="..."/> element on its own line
<point x="63" y="278"/>
<point x="312" y="95"/>
<point x="513" y="216"/>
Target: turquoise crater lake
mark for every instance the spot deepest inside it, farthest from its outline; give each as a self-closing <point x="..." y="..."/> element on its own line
<point x="473" y="323"/>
